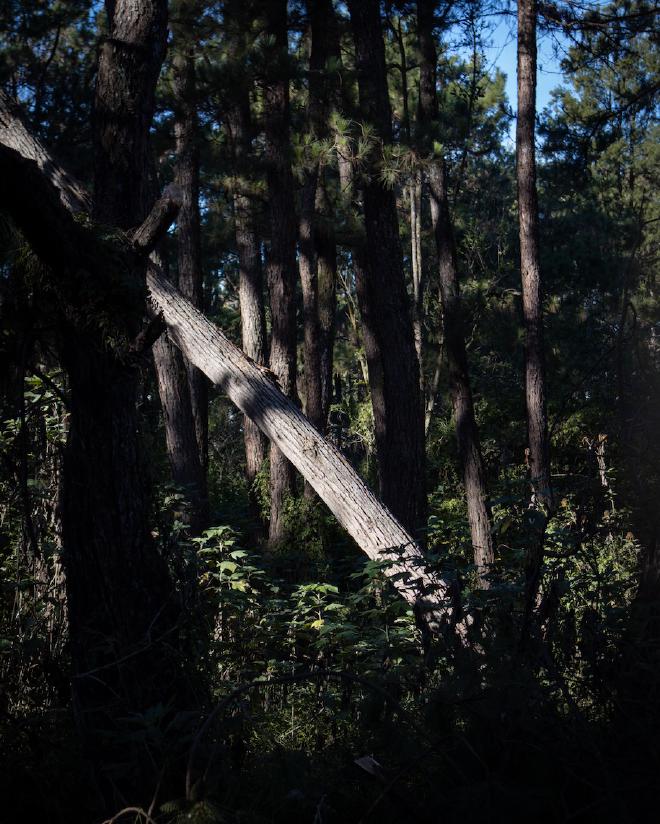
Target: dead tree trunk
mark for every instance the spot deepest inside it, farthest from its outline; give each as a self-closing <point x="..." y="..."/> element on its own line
<point x="370" y="524"/>
<point x="535" y="392"/>
<point x="467" y="433"/>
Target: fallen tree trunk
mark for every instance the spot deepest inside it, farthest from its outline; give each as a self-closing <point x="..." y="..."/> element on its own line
<point x="372" y="526"/>
<point x="252" y="389"/>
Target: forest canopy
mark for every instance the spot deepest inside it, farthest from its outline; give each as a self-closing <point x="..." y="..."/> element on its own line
<point x="329" y="411"/>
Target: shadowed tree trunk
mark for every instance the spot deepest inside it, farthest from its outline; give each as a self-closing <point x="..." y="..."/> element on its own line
<point x="326" y="262"/>
<point x="281" y="266"/>
<point x="537" y="423"/>
<point x="188" y="240"/>
<point x="325" y="87"/>
<point x="384" y="301"/>
<point x="315" y="341"/>
<point x="250" y="289"/>
<point x="122" y="609"/>
<point x="467" y="433"/>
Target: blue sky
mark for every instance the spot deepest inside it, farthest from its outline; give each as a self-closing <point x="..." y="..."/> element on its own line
<point x="502" y="54"/>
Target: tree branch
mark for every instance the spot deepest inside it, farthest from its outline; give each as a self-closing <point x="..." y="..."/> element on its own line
<point x="159" y="220"/>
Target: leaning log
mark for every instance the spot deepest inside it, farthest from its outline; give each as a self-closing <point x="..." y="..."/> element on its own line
<point x="252" y="389"/>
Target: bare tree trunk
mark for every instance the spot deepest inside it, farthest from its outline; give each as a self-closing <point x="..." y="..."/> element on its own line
<point x="250" y="290"/>
<point x="281" y="266"/>
<point x="415" y="190"/>
<point x="189" y="249"/>
<point x="120" y="597"/>
<point x="467" y="433"/>
<point x="399" y="424"/>
<point x="308" y="265"/>
<point x="535" y="391"/>
<point x="326" y="262"/>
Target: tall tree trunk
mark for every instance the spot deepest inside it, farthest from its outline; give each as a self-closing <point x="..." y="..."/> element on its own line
<point x="326" y="91"/>
<point x="535" y="391"/>
<point x="399" y="424"/>
<point x="188" y="239"/>
<point x="122" y="608"/>
<point x="250" y="289"/>
<point x="281" y="266"/>
<point x="318" y="112"/>
<point x="467" y="433"/>
<point x="326" y="262"/>
<point x="415" y="190"/>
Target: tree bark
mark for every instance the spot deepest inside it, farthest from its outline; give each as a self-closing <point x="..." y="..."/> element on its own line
<point x="326" y="262"/>
<point x="123" y="612"/>
<point x="281" y="266"/>
<point x="399" y="423"/>
<point x="467" y="433"/>
<point x="250" y="290"/>
<point x="325" y="90"/>
<point x="535" y="391"/>
<point x="188" y="239"/>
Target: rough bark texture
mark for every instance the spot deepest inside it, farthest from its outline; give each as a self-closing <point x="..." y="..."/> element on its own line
<point x="326" y="88"/>
<point x="399" y="424"/>
<point x="537" y="422"/>
<point x="16" y="135"/>
<point x="250" y="289"/>
<point x="123" y="613"/>
<point x="188" y="239"/>
<point x="281" y="267"/>
<point x="130" y="58"/>
<point x="326" y="262"/>
<point x="467" y="433"/>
